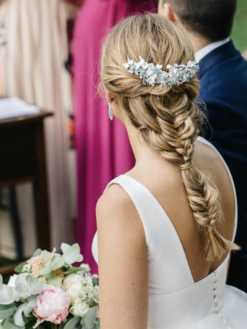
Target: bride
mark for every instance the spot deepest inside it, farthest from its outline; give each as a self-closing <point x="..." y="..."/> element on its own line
<point x="166" y="228"/>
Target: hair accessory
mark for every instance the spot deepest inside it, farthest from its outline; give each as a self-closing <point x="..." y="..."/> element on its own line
<point x="151" y="74"/>
<point x="110" y="111"/>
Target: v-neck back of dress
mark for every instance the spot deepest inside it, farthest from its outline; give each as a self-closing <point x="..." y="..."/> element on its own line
<point x="175" y="300"/>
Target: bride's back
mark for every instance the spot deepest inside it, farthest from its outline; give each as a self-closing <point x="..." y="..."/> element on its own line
<point x="166" y="184"/>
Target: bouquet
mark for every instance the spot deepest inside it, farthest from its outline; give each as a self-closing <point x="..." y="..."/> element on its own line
<point x="49" y="293"/>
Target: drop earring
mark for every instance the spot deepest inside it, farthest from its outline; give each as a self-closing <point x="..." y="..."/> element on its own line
<point x="110" y="112"/>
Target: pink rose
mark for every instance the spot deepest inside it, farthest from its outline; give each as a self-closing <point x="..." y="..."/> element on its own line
<point x="35" y="264"/>
<point x="52" y="305"/>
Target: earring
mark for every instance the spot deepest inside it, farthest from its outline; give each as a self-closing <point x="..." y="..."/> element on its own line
<point x="110" y="112"/>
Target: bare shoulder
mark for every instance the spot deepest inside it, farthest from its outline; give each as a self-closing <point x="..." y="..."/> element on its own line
<point x="123" y="261"/>
<point x="116" y="211"/>
<point x="114" y="200"/>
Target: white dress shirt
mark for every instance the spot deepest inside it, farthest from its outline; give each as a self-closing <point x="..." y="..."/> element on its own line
<point x="206" y="50"/>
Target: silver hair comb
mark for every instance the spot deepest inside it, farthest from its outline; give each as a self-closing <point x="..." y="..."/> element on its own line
<point x="151" y="74"/>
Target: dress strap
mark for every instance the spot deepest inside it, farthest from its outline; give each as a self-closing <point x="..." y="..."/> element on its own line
<point x="163" y="243"/>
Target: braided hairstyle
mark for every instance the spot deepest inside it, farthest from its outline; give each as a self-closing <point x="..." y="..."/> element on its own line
<point x="166" y="116"/>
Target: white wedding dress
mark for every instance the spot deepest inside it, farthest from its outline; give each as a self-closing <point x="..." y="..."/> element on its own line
<point x="175" y="300"/>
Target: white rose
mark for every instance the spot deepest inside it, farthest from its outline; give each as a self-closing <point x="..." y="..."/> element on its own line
<point x="96" y="294"/>
<point x="72" y="280"/>
<point x="12" y="280"/>
<point x="79" y="309"/>
<point x="87" y="281"/>
<point x="85" y="267"/>
<point x="76" y="294"/>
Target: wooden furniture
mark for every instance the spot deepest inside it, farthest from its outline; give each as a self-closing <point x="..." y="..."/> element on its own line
<point x="22" y="160"/>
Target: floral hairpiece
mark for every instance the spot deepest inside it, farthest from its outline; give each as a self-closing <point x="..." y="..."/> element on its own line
<point x="151" y="74"/>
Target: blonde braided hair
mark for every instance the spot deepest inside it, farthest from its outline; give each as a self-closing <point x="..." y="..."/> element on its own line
<point x="167" y="116"/>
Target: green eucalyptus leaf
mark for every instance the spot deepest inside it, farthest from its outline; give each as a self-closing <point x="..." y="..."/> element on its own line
<point x="1" y="280"/>
<point x="10" y="324"/>
<point x="37" y="252"/>
<point x="45" y="270"/>
<point x="72" y="270"/>
<point x="72" y="254"/>
<point x="19" y="267"/>
<point x="46" y="255"/>
<point x="83" y="321"/>
<point x="7" y="295"/>
<point x="29" y="320"/>
<point x="21" y="278"/>
<point x="79" y="259"/>
<point x="55" y="281"/>
<point x="64" y="247"/>
<point x="90" y="317"/>
<point x="36" y="287"/>
<point x="57" y="263"/>
<point x="48" y="276"/>
<point x="29" y="279"/>
<point x="27" y="310"/>
<point x="21" y="287"/>
<point x="62" y="325"/>
<point x="73" y="323"/>
<point x="6" y="311"/>
<point x="18" y="315"/>
<point x="42" y="326"/>
<point x="48" y="264"/>
<point x="32" y="302"/>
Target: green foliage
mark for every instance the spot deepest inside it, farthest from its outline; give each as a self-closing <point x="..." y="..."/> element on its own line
<point x="10" y="324"/>
<point x="55" y="281"/>
<point x="90" y="317"/>
<point x="71" y="254"/>
<point x="6" y="311"/>
<point x="57" y="263"/>
<point x="239" y="32"/>
<point x="19" y="268"/>
<point x="37" y="252"/>
<point x="73" y="323"/>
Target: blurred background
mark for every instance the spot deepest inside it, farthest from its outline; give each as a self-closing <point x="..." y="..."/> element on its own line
<point x="239" y="27"/>
<point x="48" y="189"/>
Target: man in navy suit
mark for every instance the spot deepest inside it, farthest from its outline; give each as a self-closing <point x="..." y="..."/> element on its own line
<point x="223" y="88"/>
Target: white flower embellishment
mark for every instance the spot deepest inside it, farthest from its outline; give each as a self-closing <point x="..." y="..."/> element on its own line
<point x="151" y="74"/>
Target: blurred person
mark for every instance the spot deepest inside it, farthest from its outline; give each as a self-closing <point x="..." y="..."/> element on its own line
<point x="223" y="88"/>
<point x="103" y="149"/>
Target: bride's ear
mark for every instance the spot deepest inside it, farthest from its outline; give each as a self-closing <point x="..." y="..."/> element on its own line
<point x="110" y="96"/>
<point x="169" y="13"/>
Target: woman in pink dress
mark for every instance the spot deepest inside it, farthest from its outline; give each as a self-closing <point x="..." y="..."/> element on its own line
<point x="103" y="149"/>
